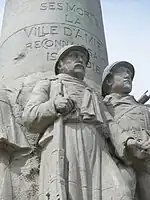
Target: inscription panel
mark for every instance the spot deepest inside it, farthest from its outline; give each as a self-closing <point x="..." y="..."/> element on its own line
<point x="62" y="23"/>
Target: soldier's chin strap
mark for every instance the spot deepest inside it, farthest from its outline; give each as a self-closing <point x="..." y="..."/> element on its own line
<point x="144" y="98"/>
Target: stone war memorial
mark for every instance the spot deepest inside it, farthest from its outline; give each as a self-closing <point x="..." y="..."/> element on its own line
<point x="69" y="128"/>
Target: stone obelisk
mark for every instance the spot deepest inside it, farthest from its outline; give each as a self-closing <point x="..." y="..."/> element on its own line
<point x="34" y="31"/>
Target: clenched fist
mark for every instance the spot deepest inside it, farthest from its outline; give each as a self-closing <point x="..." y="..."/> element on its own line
<point x="63" y="105"/>
<point x="138" y="149"/>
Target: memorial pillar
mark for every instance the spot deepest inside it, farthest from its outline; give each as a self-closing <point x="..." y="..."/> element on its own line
<point x="34" y="31"/>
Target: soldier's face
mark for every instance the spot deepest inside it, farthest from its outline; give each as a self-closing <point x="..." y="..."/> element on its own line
<point x="121" y="80"/>
<point x="75" y="63"/>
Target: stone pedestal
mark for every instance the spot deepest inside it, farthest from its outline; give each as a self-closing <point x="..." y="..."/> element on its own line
<point x="34" y="31"/>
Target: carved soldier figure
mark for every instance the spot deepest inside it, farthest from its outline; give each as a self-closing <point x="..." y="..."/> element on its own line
<point x="12" y="142"/>
<point x="134" y="119"/>
<point x="66" y="113"/>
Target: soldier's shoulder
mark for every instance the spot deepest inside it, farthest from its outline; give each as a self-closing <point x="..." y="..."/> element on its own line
<point x="107" y="99"/>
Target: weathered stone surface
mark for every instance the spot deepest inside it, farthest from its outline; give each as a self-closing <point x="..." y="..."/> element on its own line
<point x="34" y="31"/>
<point x="75" y="161"/>
<point x="25" y="177"/>
<point x="134" y="119"/>
<point x="32" y="34"/>
<point x="12" y="143"/>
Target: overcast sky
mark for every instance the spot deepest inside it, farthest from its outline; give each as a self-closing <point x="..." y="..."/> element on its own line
<point x="1" y="10"/>
<point x="127" y="31"/>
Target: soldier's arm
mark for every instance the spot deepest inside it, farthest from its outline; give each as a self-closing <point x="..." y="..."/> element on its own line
<point x="119" y="139"/>
<point x="40" y="111"/>
<point x="117" y="135"/>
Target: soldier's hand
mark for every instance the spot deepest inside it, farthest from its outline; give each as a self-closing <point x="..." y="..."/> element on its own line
<point x="138" y="149"/>
<point x="63" y="105"/>
<point x="145" y="145"/>
<point x="132" y="144"/>
<point x="145" y="152"/>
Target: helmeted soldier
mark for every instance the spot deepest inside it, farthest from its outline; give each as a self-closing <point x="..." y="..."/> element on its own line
<point x="134" y="119"/>
<point x="66" y="113"/>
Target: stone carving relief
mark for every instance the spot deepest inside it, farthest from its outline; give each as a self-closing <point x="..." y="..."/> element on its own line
<point x="70" y="118"/>
<point x="134" y="118"/>
<point x="60" y="140"/>
<point x="13" y="144"/>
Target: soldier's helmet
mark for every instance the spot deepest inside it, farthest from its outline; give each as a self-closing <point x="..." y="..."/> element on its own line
<point x="65" y="50"/>
<point x="108" y="70"/>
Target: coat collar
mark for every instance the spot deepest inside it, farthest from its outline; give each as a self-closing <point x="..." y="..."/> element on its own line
<point x="66" y="77"/>
<point x="117" y="99"/>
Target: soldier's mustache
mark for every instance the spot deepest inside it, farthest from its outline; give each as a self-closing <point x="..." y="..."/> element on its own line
<point x="79" y="64"/>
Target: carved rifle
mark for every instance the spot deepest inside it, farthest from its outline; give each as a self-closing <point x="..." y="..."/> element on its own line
<point x="144" y="98"/>
<point x="58" y="179"/>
